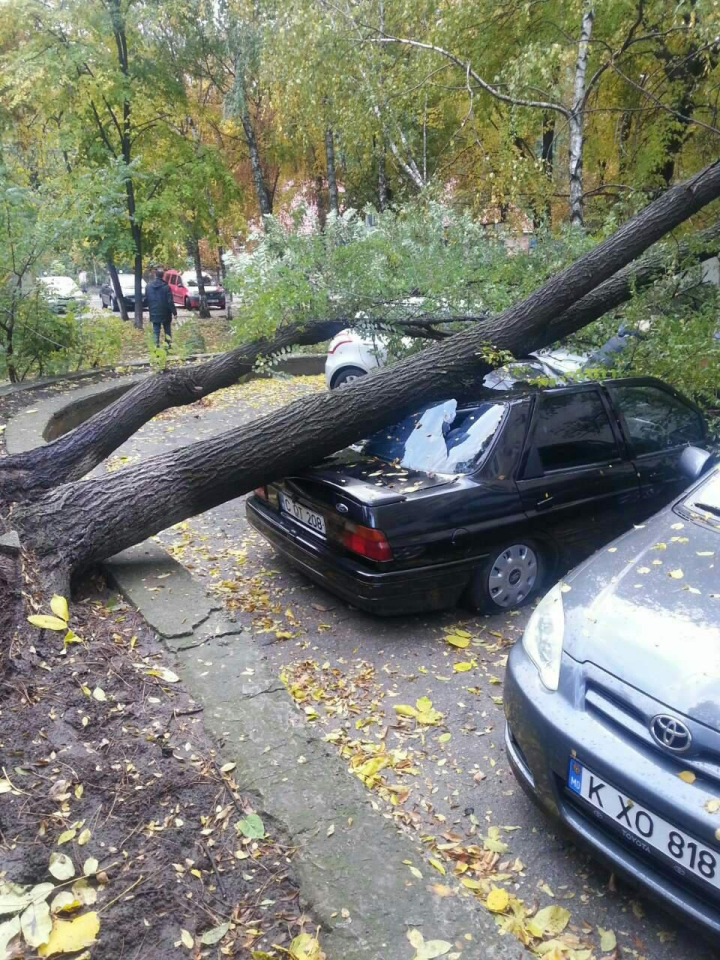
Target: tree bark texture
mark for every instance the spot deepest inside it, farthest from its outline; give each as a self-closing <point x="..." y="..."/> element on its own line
<point x="87" y="521"/>
<point x="115" y="280"/>
<point x="70" y="457"/>
<point x="203" y="309"/>
<point x="637" y="276"/>
<point x="577" y="116"/>
<point x="261" y="190"/>
<point x="332" y="187"/>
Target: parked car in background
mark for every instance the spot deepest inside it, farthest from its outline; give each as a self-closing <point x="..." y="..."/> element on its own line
<point x="127" y="286"/>
<point x="63" y="294"/>
<point x="186" y="293"/>
<point x="484" y="501"/>
<point x="613" y="701"/>
<point x="351" y="356"/>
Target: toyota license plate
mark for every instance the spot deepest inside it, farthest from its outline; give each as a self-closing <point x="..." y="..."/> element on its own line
<point x="300" y="513"/>
<point x="644" y="829"/>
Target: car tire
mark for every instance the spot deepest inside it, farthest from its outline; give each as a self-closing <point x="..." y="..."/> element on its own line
<point x="347" y="375"/>
<point x="513" y="574"/>
<point x="186" y="304"/>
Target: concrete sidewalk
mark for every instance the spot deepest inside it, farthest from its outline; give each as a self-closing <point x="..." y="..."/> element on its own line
<point x="354" y="878"/>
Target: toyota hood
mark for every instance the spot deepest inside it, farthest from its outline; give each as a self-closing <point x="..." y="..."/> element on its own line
<point x="647" y="610"/>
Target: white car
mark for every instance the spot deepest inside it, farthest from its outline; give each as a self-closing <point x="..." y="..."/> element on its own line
<point x="127" y="286"/>
<point x="63" y="293"/>
<point x="351" y="356"/>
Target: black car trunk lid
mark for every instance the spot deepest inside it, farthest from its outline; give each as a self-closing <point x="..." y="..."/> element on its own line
<point x="365" y="481"/>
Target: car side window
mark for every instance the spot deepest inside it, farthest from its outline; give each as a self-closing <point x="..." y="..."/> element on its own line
<point x="656" y="420"/>
<point x="573" y="430"/>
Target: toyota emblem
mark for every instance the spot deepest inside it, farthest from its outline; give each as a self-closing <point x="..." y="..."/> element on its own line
<point x="671" y="733"/>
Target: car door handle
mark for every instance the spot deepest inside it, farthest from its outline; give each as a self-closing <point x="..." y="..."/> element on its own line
<point x="544" y="504"/>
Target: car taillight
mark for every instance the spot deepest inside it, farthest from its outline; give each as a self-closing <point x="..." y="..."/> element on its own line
<point x="367" y="542"/>
<point x="340" y="343"/>
<point x="261" y="492"/>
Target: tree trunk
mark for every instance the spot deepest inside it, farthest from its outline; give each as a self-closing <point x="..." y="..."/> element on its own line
<point x="203" y="309"/>
<point x="332" y="188"/>
<point x="72" y="456"/>
<point x="547" y="157"/>
<point x="261" y="190"/>
<point x="10" y="350"/>
<point x="383" y="196"/>
<point x="115" y="280"/>
<point x="81" y="523"/>
<point x="577" y="116"/>
<point x="320" y="201"/>
<point x="699" y="247"/>
<point x="138" y="271"/>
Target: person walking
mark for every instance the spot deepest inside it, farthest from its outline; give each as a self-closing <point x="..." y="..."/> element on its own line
<point x="161" y="307"/>
<point x="82" y="277"/>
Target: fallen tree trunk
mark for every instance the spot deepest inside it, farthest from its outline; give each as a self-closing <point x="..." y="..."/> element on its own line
<point x="26" y="476"/>
<point x="84" y="522"/>
<point x="699" y="247"/>
<point x="72" y="456"/>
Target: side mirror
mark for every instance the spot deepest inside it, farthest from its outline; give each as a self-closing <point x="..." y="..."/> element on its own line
<point x="694" y="462"/>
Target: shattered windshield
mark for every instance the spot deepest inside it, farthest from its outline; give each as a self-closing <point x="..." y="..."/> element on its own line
<point x="439" y="439"/>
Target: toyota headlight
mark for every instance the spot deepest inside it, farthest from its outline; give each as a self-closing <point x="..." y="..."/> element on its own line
<point x="543" y="637"/>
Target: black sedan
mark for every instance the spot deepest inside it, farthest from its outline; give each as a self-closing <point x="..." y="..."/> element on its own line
<point x="484" y="501"/>
<point x="613" y="703"/>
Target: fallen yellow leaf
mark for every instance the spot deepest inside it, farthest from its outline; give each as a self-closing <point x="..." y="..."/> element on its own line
<point x="455" y="640"/>
<point x="608" y="940"/>
<point x="497" y="900"/>
<point x="69" y="936"/>
<point x="305" y="947"/>
<point x="59" y="607"/>
<point x="550" y="921"/>
<point x="688" y="776"/>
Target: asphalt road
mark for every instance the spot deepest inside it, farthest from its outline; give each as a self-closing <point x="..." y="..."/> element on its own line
<point x="95" y="304"/>
<point x="348" y="670"/>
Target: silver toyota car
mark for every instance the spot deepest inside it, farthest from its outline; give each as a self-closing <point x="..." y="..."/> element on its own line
<point x="613" y="702"/>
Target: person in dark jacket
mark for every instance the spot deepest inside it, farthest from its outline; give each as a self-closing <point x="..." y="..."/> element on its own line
<point x="161" y="308"/>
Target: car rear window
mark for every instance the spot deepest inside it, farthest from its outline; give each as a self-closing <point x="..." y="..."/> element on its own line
<point x="657" y="420"/>
<point x="439" y="439"/>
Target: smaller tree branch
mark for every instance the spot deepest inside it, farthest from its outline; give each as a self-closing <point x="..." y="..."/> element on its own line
<point x="465" y="65"/>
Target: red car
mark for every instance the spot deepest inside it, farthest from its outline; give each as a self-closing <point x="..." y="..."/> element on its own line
<point x="186" y="294"/>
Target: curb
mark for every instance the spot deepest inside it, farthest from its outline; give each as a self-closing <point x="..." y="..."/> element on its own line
<point x="354" y="880"/>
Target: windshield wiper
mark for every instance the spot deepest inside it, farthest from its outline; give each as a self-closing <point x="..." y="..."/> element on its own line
<point x="707" y="507"/>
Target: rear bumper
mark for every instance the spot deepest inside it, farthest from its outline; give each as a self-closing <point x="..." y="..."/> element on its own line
<point x="543" y="731"/>
<point x="385" y="594"/>
<point x="218" y="302"/>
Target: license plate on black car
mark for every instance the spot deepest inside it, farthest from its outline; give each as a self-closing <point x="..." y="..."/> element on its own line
<point x="642" y="828"/>
<point x="300" y="513"/>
